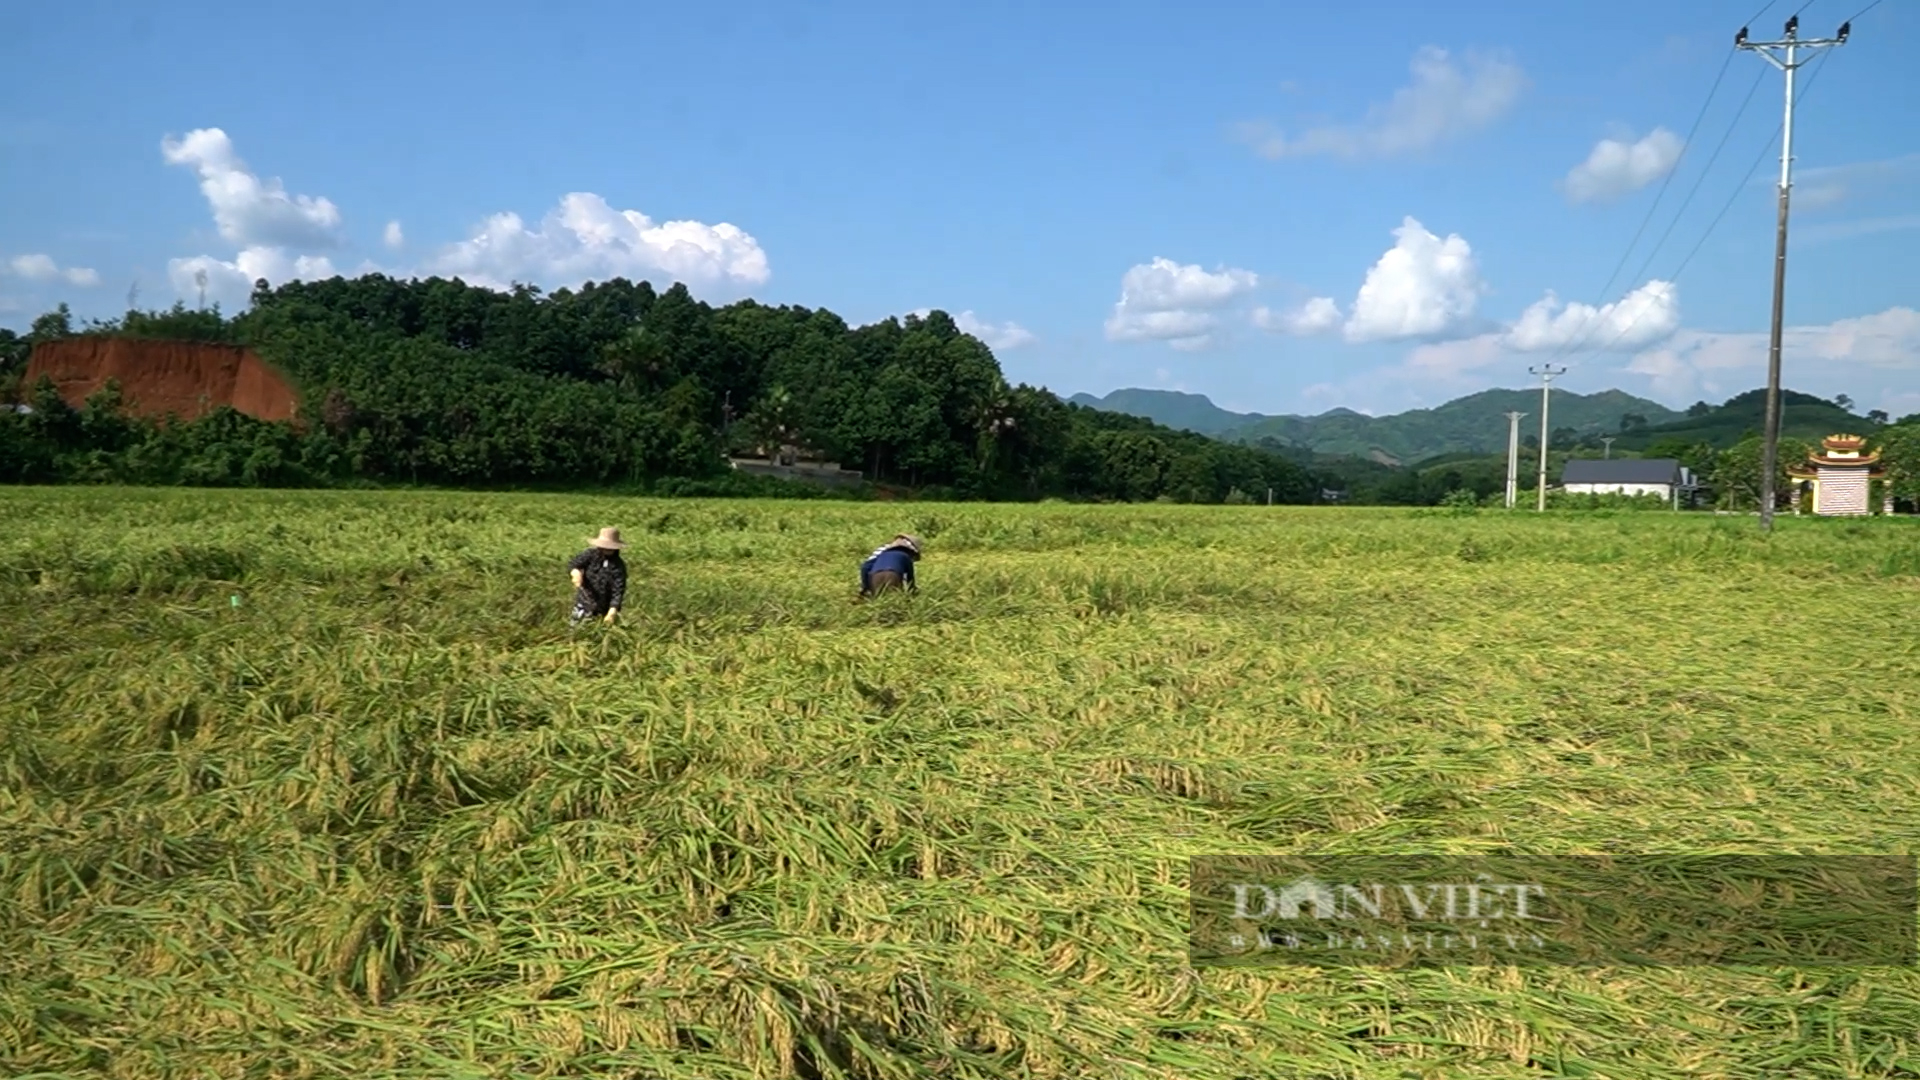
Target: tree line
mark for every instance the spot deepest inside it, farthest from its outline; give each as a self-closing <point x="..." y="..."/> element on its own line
<point x="437" y="382"/>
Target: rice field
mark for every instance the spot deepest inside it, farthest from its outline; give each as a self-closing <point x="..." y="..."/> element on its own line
<point x="322" y="785"/>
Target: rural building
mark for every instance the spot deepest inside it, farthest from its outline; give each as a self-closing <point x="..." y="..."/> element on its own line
<point x="1664" y="477"/>
<point x="1837" y="479"/>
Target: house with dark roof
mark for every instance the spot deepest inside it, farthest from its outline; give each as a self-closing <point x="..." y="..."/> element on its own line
<point x="1664" y="477"/>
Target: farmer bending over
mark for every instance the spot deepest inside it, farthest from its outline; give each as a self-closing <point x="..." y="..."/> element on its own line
<point x="599" y="578"/>
<point x="890" y="566"/>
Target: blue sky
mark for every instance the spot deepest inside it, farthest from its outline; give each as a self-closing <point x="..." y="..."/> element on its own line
<point x="1286" y="207"/>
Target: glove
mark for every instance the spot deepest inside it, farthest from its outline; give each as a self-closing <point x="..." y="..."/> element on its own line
<point x="576" y="578"/>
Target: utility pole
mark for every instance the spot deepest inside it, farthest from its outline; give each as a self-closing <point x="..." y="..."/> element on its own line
<point x="1546" y="374"/>
<point x="1513" y="456"/>
<point x="1607" y="441"/>
<point x="1796" y="54"/>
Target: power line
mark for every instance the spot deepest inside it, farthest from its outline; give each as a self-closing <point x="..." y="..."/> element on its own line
<point x="1685" y="145"/>
<point x="1575" y="343"/>
<point x="1640" y="274"/>
<point x="1667" y="181"/>
<point x="1819" y="64"/>
<point x="1732" y="126"/>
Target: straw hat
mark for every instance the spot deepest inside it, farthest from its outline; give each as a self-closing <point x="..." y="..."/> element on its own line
<point x="908" y="541"/>
<point x="609" y="538"/>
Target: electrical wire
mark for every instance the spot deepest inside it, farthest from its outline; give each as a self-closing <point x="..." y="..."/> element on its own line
<point x="1818" y="65"/>
<point x="1813" y="77"/>
<point x="1574" y="343"/>
<point x="1732" y="126"/>
<point x="1584" y="335"/>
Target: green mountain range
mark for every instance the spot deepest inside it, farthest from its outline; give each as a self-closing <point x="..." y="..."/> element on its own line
<point x="1802" y="416"/>
<point x="1475" y="424"/>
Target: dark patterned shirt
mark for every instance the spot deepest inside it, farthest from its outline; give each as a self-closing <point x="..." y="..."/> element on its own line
<point x="603" y="581"/>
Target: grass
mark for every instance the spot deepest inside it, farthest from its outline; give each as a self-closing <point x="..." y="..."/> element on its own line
<point x="389" y="817"/>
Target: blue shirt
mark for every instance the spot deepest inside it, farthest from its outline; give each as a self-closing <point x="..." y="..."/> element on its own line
<point x="898" y="560"/>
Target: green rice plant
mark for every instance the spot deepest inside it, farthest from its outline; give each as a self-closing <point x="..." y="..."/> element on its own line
<point x="387" y="816"/>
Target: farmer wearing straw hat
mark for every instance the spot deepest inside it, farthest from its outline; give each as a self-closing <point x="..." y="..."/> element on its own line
<point x="890" y="566"/>
<point x="599" y="578"/>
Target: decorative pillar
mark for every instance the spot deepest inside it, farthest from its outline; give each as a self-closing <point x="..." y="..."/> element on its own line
<point x="1886" y="502"/>
<point x="1794" y="498"/>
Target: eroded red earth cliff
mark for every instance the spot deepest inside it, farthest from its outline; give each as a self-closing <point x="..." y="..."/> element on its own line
<point x="184" y="379"/>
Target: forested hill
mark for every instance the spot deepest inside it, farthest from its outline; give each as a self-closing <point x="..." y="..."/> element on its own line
<point x="440" y="382"/>
<point x="1476" y="423"/>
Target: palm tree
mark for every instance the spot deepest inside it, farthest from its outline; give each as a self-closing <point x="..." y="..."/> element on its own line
<point x="992" y="417"/>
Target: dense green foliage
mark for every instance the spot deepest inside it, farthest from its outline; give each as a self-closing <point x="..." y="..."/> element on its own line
<point x="386" y="817"/>
<point x="1802" y="416"/>
<point x="438" y="382"/>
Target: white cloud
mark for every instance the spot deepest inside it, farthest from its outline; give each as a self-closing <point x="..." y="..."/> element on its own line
<point x="584" y="239"/>
<point x="1316" y="316"/>
<point x="1826" y="185"/>
<point x="278" y="236"/>
<point x="1445" y="100"/>
<point x="40" y="267"/>
<point x="1165" y="301"/>
<point x="998" y="338"/>
<point x="230" y="283"/>
<point x="1694" y="361"/>
<point x="1828" y="231"/>
<point x="249" y="211"/>
<point x="1616" y="167"/>
<point x="1163" y="380"/>
<point x="1642" y="317"/>
<point x="1452" y="359"/>
<point x="1423" y="286"/>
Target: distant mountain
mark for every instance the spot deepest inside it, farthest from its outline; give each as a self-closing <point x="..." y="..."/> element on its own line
<point x="1192" y="412"/>
<point x="1802" y="416"/>
<point x="1475" y="424"/>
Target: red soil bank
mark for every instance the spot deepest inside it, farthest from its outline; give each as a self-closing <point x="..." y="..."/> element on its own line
<point x="183" y="378"/>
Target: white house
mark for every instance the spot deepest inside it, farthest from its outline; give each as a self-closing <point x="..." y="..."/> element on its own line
<point x="1664" y="477"/>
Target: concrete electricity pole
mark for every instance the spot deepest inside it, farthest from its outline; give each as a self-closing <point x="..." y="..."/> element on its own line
<point x="1513" y="456"/>
<point x="1546" y="374"/>
<point x="1607" y="440"/>
<point x="1796" y="54"/>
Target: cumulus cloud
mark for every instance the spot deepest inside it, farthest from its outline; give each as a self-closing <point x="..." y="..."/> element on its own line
<point x="230" y="282"/>
<point x="998" y="338"/>
<point x="1644" y="316"/>
<point x="249" y="211"/>
<point x="1423" y="286"/>
<point x="1316" y="316"/>
<point x="584" y="239"/>
<point x="40" y="267"/>
<point x="282" y="237"/>
<point x="1446" y="100"/>
<point x="1165" y="301"/>
<point x="1617" y="167"/>
<point x="1694" y="361"/>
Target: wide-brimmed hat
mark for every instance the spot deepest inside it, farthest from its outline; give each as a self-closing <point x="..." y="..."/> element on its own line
<point x="609" y="538"/>
<point x="908" y="541"/>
